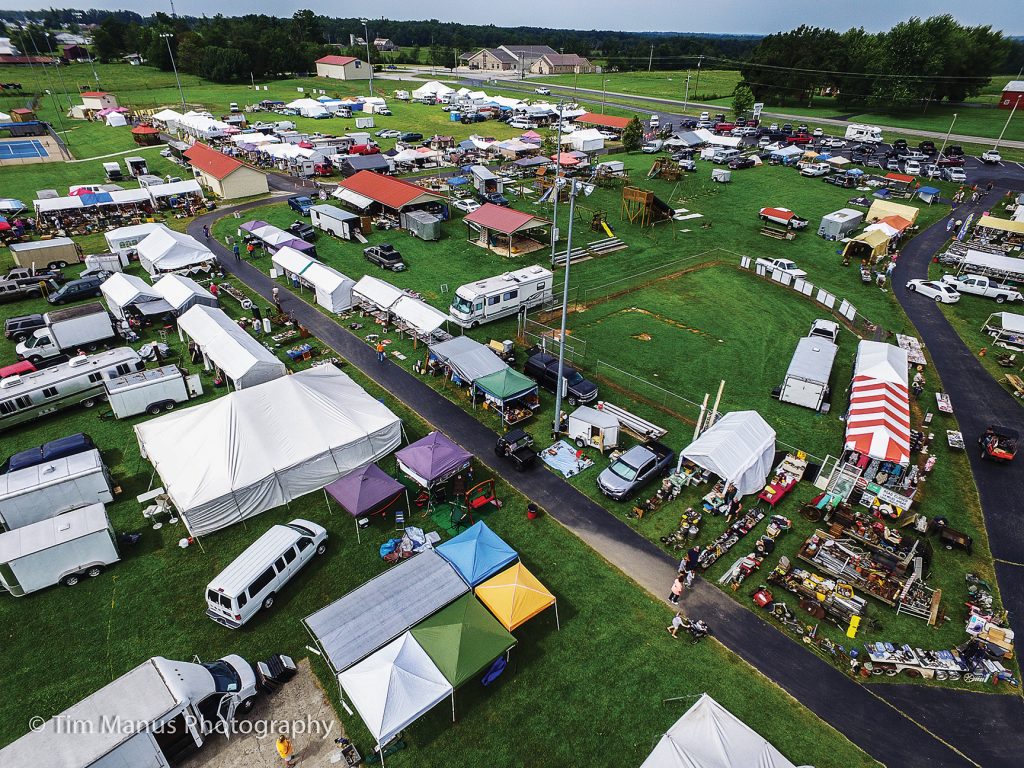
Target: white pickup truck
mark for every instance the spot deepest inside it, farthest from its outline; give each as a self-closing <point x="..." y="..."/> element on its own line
<point x="782" y="265"/>
<point x="982" y="286"/>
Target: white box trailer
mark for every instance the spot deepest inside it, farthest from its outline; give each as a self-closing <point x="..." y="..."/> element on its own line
<point x="55" y="253"/>
<point x="332" y="219"/>
<point x="53" y="487"/>
<point x="838" y="224"/>
<point x="591" y="428"/>
<point x="151" y="391"/>
<point x="148" y="718"/>
<point x="61" y="550"/>
<point x="806" y="381"/>
<point x="500" y="296"/>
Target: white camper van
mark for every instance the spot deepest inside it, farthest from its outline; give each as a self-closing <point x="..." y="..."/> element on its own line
<point x="869" y="134"/>
<point x="253" y="580"/>
<point x="500" y="296"/>
<point x="807" y="378"/>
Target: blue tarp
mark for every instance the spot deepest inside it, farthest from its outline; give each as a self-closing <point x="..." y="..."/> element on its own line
<point x="456" y="181"/>
<point x="477" y="553"/>
<point x="928" y="191"/>
<point x="96" y="199"/>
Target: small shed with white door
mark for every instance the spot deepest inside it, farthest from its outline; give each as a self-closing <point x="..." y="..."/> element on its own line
<point x="589" y="427"/>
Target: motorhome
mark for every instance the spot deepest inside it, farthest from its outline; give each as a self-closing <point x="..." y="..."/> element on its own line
<point x="869" y="134"/>
<point x="500" y="296"/>
<point x="76" y="382"/>
<point x="52" y="488"/>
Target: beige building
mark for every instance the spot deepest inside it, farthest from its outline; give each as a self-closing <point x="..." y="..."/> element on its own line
<point x="342" y="68"/>
<point x="561" y="64"/>
<point x="97" y="100"/>
<point x="508" y="58"/>
<point x="226" y="177"/>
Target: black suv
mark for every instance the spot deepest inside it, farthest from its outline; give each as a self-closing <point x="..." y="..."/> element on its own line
<point x="20" y="328"/>
<point x="405" y="138"/>
<point x="303" y="230"/>
<point x="544" y="368"/>
<point x="83" y="288"/>
<point x="385" y="256"/>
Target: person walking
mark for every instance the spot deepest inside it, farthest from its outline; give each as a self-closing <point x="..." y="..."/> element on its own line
<point x="237" y="251"/>
<point x="249" y="248"/>
<point x="677" y="589"/>
<point x="380" y="351"/>
<point x="676" y="625"/>
<point x="285" y="750"/>
<point x="276" y="293"/>
<point x="206" y="231"/>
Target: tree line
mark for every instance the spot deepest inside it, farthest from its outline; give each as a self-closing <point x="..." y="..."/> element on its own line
<point x="918" y="61"/>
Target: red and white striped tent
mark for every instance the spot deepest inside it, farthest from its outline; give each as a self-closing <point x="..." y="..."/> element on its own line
<point x="878" y="422"/>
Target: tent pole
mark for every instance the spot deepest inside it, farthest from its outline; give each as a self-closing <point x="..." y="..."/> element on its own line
<point x="558" y="624"/>
<point x="359" y="538"/>
<point x="453" y="705"/>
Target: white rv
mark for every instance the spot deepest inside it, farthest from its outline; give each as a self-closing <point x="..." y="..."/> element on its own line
<point x="869" y="134"/>
<point x="60" y="550"/>
<point x="500" y="296"/>
<point x="76" y="382"/>
<point x="53" y="487"/>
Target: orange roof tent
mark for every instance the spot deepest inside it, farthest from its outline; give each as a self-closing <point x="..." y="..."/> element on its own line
<point x="515" y="596"/>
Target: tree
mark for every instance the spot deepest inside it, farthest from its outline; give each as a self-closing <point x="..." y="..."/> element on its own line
<point x="742" y="99"/>
<point x="633" y="135"/>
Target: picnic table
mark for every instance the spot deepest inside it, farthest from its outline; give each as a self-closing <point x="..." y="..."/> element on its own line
<point x="1016" y="382"/>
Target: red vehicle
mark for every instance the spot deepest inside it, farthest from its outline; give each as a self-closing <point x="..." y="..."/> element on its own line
<point x="724" y="127"/>
<point x="800" y="140"/>
<point x="950" y="162"/>
<point x="16" y="369"/>
<point x="323" y="169"/>
<point x="364" y="149"/>
<point x="999" y="443"/>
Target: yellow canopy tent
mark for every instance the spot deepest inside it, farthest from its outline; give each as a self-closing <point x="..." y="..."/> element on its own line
<point x="882" y="208"/>
<point x="515" y="596"/>
<point x="1003" y="225"/>
<point x="869" y="244"/>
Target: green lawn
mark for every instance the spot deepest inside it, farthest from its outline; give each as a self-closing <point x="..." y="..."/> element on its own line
<point x="712" y="84"/>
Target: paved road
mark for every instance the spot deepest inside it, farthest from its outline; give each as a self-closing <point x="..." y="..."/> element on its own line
<point x="895" y="724"/>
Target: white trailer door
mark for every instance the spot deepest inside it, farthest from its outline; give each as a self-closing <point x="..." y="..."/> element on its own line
<point x="140" y="751"/>
<point x="809" y="394"/>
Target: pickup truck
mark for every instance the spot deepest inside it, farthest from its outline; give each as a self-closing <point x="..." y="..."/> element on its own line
<point x="30" y="276"/>
<point x="634" y="469"/>
<point x="815" y="169"/>
<point x="543" y="368"/>
<point x="982" y="286"/>
<point x="15" y="290"/>
<point x="300" y="204"/>
<point x="782" y="265"/>
<point x="384" y="256"/>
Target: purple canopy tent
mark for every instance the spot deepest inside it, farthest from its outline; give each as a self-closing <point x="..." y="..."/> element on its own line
<point x="367" y="491"/>
<point x="433" y="460"/>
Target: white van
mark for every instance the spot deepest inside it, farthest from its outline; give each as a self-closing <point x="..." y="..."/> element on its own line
<point x="253" y="580"/>
<point x="722" y="156"/>
<point x="522" y="123"/>
<point x="655" y="121"/>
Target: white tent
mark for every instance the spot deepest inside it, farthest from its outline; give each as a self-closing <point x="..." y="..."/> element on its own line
<point x="376" y="292"/>
<point x="395" y="687"/>
<point x="186" y="187"/>
<point x="418" y="315"/>
<point x="708" y="137"/>
<point x="182" y="293"/>
<point x="468" y="358"/>
<point x="121" y="291"/>
<point x="116" y="120"/>
<point x="124" y="239"/>
<point x="166" y="116"/>
<point x="227" y="347"/>
<point x="308" y="107"/>
<point x="710" y="736"/>
<point x="431" y="88"/>
<point x="165" y="250"/>
<point x="333" y="289"/>
<point x="255" y="138"/>
<point x="739" y="448"/>
<point x="244" y="453"/>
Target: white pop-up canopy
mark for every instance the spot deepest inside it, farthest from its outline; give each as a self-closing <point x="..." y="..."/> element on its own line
<point x="333" y="289"/>
<point x="257" y="449"/>
<point x="418" y="315"/>
<point x="431" y="88"/>
<point x="739" y="448"/>
<point x="395" y="687"/>
<point x="229" y="348"/>
<point x="376" y="292"/>
<point x="121" y="291"/>
<point x="183" y="293"/>
<point x="710" y="736"/>
<point x="165" y="250"/>
<point x="469" y="359"/>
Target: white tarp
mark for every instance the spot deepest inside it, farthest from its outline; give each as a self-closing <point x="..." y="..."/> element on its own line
<point x="431" y="88"/>
<point x="186" y="187"/>
<point x="121" y="290"/>
<point x="733" y="142"/>
<point x="710" y="736"/>
<point x="422" y="317"/>
<point x="468" y="358"/>
<point x="166" y="115"/>
<point x="394" y="687"/>
<point x="1008" y="321"/>
<point x="116" y="120"/>
<point x="165" y="250"/>
<point x="230" y="348"/>
<point x="377" y="292"/>
<point x="1010" y="265"/>
<point x="362" y="202"/>
<point x="182" y="293"/>
<point x="308" y="107"/>
<point x="255" y="138"/>
<point x="739" y="448"/>
<point x="257" y="449"/>
<point x="333" y="289"/>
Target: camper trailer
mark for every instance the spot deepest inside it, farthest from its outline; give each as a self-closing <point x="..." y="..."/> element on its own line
<point x="500" y="296"/>
<point x="76" y="382"/>
<point x="332" y="219"/>
<point x="806" y="381"/>
<point x="53" y="487"/>
<point x="60" y="550"/>
<point x="151" y="391"/>
<point x="869" y="134"/>
<point x="56" y="253"/>
<point x="839" y="224"/>
<point x="591" y="428"/>
<point x="136" y="166"/>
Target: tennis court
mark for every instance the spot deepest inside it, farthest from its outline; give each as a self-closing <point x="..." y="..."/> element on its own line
<point x="20" y="150"/>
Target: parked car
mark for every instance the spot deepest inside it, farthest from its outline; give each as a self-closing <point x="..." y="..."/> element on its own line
<point x="783" y="216"/>
<point x="739" y="163"/>
<point x="13" y="290"/>
<point x="652" y="146"/>
<point x="543" y="368"/>
<point x="954" y="150"/>
<point x="950" y="161"/>
<point x="844" y="180"/>
<point x="991" y="157"/>
<point x="411" y="136"/>
<point x="927" y="147"/>
<point x="634" y="469"/>
<point x="764" y="141"/>
<point x="933" y="289"/>
<point x="815" y="169"/>
<point x="385" y="256"/>
<point x="954" y="174"/>
<point x="300" y="204"/>
<point x="303" y="230"/>
<point x="932" y="171"/>
<point x="466" y="206"/>
<point x="899" y="144"/>
<point x="773" y="127"/>
<point x="542" y="91"/>
<point x="817" y="133"/>
<point x="782" y="265"/>
<point x="832" y="143"/>
<point x="387" y="133"/>
<point x="494" y="198"/>
<point x="19" y="328"/>
<point x="912" y="167"/>
<point x="74" y="290"/>
<point x="892" y="164"/>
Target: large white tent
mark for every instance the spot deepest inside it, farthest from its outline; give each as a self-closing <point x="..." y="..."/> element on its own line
<point x="308" y="107"/>
<point x="395" y="687"/>
<point x="739" y="448"/>
<point x="229" y="348"/>
<point x="376" y="292"/>
<point x="469" y="359"/>
<point x="333" y="289"/>
<point x="432" y="88"/>
<point x="244" y="453"/>
<point x="183" y="293"/>
<point x="165" y="250"/>
<point x="122" y="291"/>
<point x="710" y="736"/>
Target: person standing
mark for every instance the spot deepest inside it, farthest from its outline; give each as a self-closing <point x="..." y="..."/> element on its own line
<point x="237" y="251"/>
<point x="285" y="750"/>
<point x="677" y="589"/>
<point x="249" y="248"/>
<point x="276" y="293"/>
<point x="676" y="625"/>
<point x="206" y="231"/>
<point x="380" y="351"/>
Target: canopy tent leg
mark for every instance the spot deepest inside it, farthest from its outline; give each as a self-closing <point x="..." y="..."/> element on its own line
<point x="453" y="705"/>
<point x="558" y="624"/>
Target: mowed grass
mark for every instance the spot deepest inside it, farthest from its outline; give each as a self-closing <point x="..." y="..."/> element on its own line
<point x="712" y="84"/>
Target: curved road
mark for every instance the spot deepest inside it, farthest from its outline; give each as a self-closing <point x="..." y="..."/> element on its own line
<point x="900" y="725"/>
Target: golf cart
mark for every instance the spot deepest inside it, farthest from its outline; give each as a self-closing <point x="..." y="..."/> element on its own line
<point x="517" y="446"/>
<point x="999" y="443"/>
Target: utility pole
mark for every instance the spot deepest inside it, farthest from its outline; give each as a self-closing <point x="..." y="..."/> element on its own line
<point x="686" y="97"/>
<point x="650" y="59"/>
<point x="167" y="39"/>
<point x="366" y="39"/>
<point x="556" y="427"/>
<point x="696" y="85"/>
<point x="943" y="149"/>
<point x="558" y="171"/>
<point x="604" y="95"/>
<point x="1006" y="125"/>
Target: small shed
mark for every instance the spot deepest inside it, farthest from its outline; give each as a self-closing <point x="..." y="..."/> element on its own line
<point x="590" y="427"/>
<point x="425" y="226"/>
<point x="838" y="224"/>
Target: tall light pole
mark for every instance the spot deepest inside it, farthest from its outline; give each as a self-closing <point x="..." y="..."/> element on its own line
<point x="558" y="171"/>
<point x="696" y="85"/>
<point x="1006" y="125"/>
<point x="60" y="76"/>
<point x="604" y="94"/>
<point x="167" y="39"/>
<point x="686" y="97"/>
<point x="556" y="427"/>
<point x="943" y="149"/>
<point x="366" y="39"/>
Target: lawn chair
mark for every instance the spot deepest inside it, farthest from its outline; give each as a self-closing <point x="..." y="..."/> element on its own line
<point x="481" y="494"/>
<point x="459" y="518"/>
<point x="399" y="519"/>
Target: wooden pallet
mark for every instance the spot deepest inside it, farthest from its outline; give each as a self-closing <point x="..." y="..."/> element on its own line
<point x="778" y="234"/>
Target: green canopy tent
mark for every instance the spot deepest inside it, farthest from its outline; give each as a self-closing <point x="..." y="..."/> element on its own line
<point x="512" y="393"/>
<point x="463" y="639"/>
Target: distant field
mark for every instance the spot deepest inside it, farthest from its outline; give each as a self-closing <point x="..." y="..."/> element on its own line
<point x="713" y="83"/>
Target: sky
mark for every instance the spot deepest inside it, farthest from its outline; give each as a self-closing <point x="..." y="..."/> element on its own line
<point x="723" y="16"/>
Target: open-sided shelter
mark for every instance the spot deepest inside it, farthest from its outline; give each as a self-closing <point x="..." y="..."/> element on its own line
<point x="366" y="491"/>
<point x="164" y="250"/>
<point x="417" y="317"/>
<point x="477" y="553"/>
<point x="739" y="448"/>
<point x="333" y="289"/>
<point x="122" y="291"/>
<point x="375" y="293"/>
<point x="183" y="293"/>
<point x="244" y="453"/>
<point x="468" y="359"/>
<point x="881" y="208"/>
<point x="515" y="596"/>
<point x="504" y="229"/>
<point x="870" y="244"/>
<point x="433" y="459"/>
<point x="504" y="389"/>
<point x="228" y="348"/>
<point x="367" y="191"/>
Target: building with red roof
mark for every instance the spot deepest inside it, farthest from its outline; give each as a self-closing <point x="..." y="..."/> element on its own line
<point x="505" y="229"/>
<point x="367" y="191"/>
<point x="342" y="68"/>
<point x="604" y="121"/>
<point x="225" y="176"/>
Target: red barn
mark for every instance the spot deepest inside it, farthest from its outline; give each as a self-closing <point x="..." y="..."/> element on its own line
<point x="1013" y="94"/>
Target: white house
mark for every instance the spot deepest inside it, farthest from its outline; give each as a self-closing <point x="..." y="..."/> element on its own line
<point x="342" y="68"/>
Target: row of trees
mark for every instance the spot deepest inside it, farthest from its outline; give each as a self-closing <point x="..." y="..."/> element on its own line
<point x="916" y="62"/>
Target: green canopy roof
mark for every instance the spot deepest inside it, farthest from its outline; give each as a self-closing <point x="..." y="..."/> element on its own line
<point x="506" y="384"/>
<point x="463" y="639"/>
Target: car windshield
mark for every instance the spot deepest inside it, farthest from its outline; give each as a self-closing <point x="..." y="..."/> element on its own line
<point x="225" y="678"/>
<point x="623" y="470"/>
<point x="460" y="304"/>
<point x="573" y="377"/>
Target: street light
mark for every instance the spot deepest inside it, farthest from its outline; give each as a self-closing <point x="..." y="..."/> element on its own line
<point x="604" y="94"/>
<point x="1006" y="125"/>
<point x="943" y="149"/>
<point x="366" y="39"/>
<point x="558" y="171"/>
<point x="686" y="98"/>
<point x="557" y="426"/>
<point x="167" y="39"/>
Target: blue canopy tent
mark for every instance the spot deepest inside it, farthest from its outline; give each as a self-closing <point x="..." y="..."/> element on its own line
<point x="928" y="194"/>
<point x="477" y="553"/>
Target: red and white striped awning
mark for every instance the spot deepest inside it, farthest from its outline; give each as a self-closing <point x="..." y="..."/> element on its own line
<point x="878" y="421"/>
